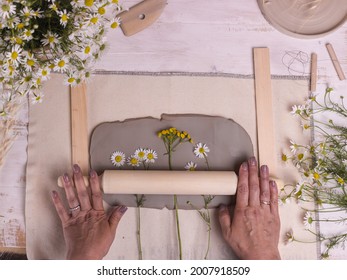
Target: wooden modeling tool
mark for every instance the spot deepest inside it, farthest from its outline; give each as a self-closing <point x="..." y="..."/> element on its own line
<point x="140" y="16"/>
<point x="79" y="129"/>
<point x="313" y="80"/>
<point x="335" y="61"/>
<point x="264" y="109"/>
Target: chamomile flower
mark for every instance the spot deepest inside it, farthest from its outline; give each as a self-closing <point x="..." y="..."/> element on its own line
<point x="201" y="150"/>
<point x="50" y="39"/>
<point x="64" y="17"/>
<point x="118" y="158"/>
<point x="14" y="56"/>
<point x="289" y="237"/>
<point x="37" y="98"/>
<point x="30" y="62"/>
<point x="28" y="34"/>
<point x="27" y="13"/>
<point x="141" y="154"/>
<point x="115" y="23"/>
<point x="133" y="161"/>
<point x="93" y="19"/>
<point x="7" y="9"/>
<point x="71" y="80"/>
<point x="151" y="156"/>
<point x="293" y="147"/>
<point x="44" y="73"/>
<point x="61" y="64"/>
<point x="190" y="166"/>
<point x="308" y="220"/>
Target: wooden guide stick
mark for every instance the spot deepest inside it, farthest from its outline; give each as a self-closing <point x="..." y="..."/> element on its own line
<point x="79" y="128"/>
<point x="335" y="61"/>
<point x="313" y="82"/>
<point x="264" y="109"/>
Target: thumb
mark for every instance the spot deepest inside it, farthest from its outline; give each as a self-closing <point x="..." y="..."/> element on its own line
<point x="115" y="217"/>
<point x="225" y="220"/>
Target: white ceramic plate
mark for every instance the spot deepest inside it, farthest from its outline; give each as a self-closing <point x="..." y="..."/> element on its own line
<point x="305" y="18"/>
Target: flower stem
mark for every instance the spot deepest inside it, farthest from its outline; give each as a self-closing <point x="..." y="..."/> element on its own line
<point x="178" y="228"/>
<point x="209" y="235"/>
<point x="139" y="201"/>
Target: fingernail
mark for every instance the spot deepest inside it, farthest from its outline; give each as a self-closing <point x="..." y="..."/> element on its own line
<point x="54" y="194"/>
<point x="222" y="207"/>
<point x="244" y="166"/>
<point x="92" y="174"/>
<point x="66" y="178"/>
<point x="76" y="168"/>
<point x="253" y="161"/>
<point x="264" y="169"/>
<point x="123" y="209"/>
<point x="273" y="184"/>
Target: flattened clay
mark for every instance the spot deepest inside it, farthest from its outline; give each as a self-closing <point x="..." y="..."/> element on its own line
<point x="228" y="142"/>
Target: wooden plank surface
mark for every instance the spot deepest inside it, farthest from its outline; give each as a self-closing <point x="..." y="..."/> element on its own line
<point x="79" y="128"/>
<point x="264" y="109"/>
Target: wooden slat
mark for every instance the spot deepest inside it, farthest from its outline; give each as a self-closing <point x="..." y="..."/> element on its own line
<point x="336" y="62"/>
<point x="264" y="109"/>
<point x="313" y="81"/>
<point x="79" y="129"/>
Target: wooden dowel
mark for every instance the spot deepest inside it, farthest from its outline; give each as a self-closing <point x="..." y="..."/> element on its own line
<point x="313" y="84"/>
<point x="335" y="61"/>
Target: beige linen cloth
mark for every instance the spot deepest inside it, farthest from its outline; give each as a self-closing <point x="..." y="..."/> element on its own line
<point x="113" y="97"/>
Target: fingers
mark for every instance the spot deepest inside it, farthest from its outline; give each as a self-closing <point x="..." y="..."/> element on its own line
<point x="81" y="188"/>
<point x="116" y="216"/>
<point x="242" y="186"/>
<point x="63" y="215"/>
<point x="70" y="194"/>
<point x="264" y="187"/>
<point x="224" y="220"/>
<point x="96" y="191"/>
<point x="253" y="182"/>
<point x="274" y="198"/>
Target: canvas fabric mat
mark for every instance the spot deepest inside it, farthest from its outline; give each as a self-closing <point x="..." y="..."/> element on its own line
<point x="113" y="97"/>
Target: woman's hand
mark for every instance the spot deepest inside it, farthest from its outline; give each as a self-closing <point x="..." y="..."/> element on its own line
<point x="88" y="230"/>
<point x="253" y="231"/>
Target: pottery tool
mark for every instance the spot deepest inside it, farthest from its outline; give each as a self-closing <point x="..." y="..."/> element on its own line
<point x="335" y="61"/>
<point x="140" y="16"/>
<point x="159" y="182"/>
<point x="264" y="109"/>
<point x="313" y="79"/>
<point x="79" y="129"/>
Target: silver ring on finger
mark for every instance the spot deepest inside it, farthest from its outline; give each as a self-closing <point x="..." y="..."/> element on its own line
<point x="266" y="202"/>
<point x="78" y="207"/>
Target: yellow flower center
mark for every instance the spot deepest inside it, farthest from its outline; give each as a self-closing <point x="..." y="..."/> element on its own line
<point x="101" y="10"/>
<point x="5" y="8"/>
<point x="316" y="176"/>
<point x="38" y="81"/>
<point x="94" y="20"/>
<point x="115" y="1"/>
<point x="118" y="159"/>
<point x="114" y="25"/>
<point x="44" y="72"/>
<point x="141" y="154"/>
<point x="64" y="18"/>
<point x="51" y="66"/>
<point x="14" y="55"/>
<point x="71" y="80"/>
<point x="51" y="39"/>
<point x="30" y="62"/>
<point x="87" y="50"/>
<point x="284" y="157"/>
<point x="19" y="41"/>
<point x="191" y="168"/>
<point x="89" y="3"/>
<point x="150" y="156"/>
<point x="20" y="26"/>
<point x="133" y="161"/>
<point x="300" y="156"/>
<point x="28" y="33"/>
<point x="201" y="150"/>
<point x="61" y="63"/>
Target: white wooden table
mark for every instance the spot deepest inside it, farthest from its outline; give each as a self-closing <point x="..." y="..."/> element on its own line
<point x="190" y="36"/>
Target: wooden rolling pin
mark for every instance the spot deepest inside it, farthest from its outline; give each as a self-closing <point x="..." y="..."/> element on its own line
<point x="168" y="182"/>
